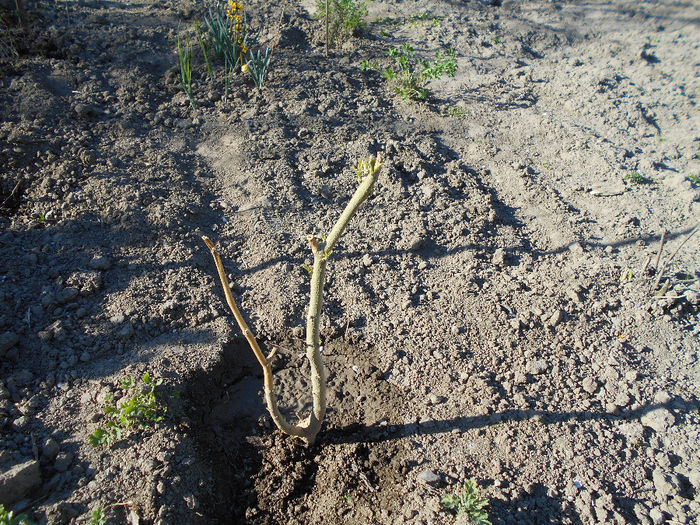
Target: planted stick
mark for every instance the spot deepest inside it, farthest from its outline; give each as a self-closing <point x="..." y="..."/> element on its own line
<point x="667" y="262"/>
<point x="307" y="429"/>
<point x="661" y="249"/>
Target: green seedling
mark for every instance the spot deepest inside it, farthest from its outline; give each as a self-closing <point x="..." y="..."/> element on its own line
<point x="468" y="502"/>
<point x="694" y="178"/>
<point x="9" y="517"/>
<point x="409" y="75"/>
<point x="626" y="275"/>
<point x="321" y="248"/>
<point x="139" y="407"/>
<point x="456" y="111"/>
<point x="184" y="53"/>
<point x="98" y="516"/>
<point x="257" y="66"/>
<point x="343" y="18"/>
<point x="366" y="65"/>
<point x="636" y="177"/>
<point x="205" y="49"/>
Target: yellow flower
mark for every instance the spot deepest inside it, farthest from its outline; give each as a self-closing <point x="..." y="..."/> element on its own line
<point x="244" y="67"/>
<point x="244" y="49"/>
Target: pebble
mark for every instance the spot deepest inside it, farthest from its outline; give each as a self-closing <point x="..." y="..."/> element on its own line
<point x="68" y="294"/>
<point x="63" y="461"/>
<point x="17" y="482"/>
<point x="657" y="516"/>
<point x="429" y="477"/>
<point x="100" y="263"/>
<point x="499" y="257"/>
<point x="590" y="385"/>
<point x="367" y="260"/>
<point x="555" y="318"/>
<point x="50" y="449"/>
<point x="117" y="318"/>
<point x="536" y="367"/>
<point x="7" y="341"/>
<point x="666" y="484"/>
<point x="659" y="419"/>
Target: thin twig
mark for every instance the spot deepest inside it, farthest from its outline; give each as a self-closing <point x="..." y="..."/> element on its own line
<point x="668" y="261"/>
<point x="646" y="265"/>
<point x="661" y="249"/>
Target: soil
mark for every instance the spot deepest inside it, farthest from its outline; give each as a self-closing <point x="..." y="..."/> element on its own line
<point x="494" y="312"/>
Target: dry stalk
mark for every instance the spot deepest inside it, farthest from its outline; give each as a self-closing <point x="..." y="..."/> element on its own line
<point x="668" y="261"/>
<point x="309" y="427"/>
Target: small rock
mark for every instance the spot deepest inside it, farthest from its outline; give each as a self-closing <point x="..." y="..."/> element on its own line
<point x="576" y="248"/>
<point x="367" y="260"/>
<point x="657" y="516"/>
<point x="555" y="318"/>
<point x="536" y="367"/>
<point x="68" y="294"/>
<point x="7" y="341"/>
<point x="612" y="409"/>
<point x="18" y="482"/>
<point x="117" y="318"/>
<point x="63" y="461"/>
<point x="662" y="398"/>
<point x="631" y="376"/>
<point x="100" y="263"/>
<point x="633" y="431"/>
<point x="126" y="331"/>
<point x="499" y="257"/>
<point x="659" y="419"/>
<point x="429" y="477"/>
<point x="590" y="385"/>
<point x="666" y="484"/>
<point x="50" y="449"/>
<point x="520" y="378"/>
<point x="622" y="399"/>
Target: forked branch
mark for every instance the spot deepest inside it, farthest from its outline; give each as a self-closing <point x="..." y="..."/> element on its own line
<point x="367" y="171"/>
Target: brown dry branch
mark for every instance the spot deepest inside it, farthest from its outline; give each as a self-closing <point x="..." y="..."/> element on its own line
<point x="668" y="261"/>
<point x="308" y="428"/>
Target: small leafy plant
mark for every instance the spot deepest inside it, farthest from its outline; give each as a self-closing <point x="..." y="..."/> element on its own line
<point x="694" y="178"/>
<point x="636" y="177"/>
<point x="139" y="407"/>
<point x="468" y="502"/>
<point x="344" y="17"/>
<point x="456" y="111"/>
<point x="410" y="75"/>
<point x="257" y="66"/>
<point x="9" y="518"/>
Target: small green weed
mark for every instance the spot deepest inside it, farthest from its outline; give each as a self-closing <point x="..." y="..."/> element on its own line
<point x="456" y="111"/>
<point x="344" y="18"/>
<point x="205" y="49"/>
<point x="366" y="65"/>
<point x="98" y="517"/>
<point x="9" y="518"/>
<point x="409" y="75"/>
<point x="184" y="53"/>
<point x="694" y="178"/>
<point x="468" y="502"/>
<point x="636" y="177"/>
<point x="139" y="407"/>
<point x="423" y="18"/>
<point x="257" y="66"/>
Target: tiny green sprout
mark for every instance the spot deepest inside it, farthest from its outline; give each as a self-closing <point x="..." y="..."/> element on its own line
<point x="308" y="268"/>
<point x="694" y="178"/>
<point x="456" y="111"/>
<point x="9" y="518"/>
<point x="636" y="177"/>
<point x="468" y="502"/>
<point x="626" y="275"/>
<point x="347" y="498"/>
<point x="98" y="516"/>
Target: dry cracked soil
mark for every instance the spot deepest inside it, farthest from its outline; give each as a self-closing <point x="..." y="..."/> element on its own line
<point x="516" y="304"/>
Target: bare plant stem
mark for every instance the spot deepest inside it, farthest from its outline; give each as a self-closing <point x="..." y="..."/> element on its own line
<point x="661" y="249"/>
<point x="667" y="262"/>
<point x="309" y="428"/>
<point x="326" y="27"/>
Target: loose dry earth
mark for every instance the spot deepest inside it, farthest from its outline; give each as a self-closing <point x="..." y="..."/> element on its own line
<point x="487" y="313"/>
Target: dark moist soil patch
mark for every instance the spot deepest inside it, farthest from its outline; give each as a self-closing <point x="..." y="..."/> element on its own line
<point x="262" y="476"/>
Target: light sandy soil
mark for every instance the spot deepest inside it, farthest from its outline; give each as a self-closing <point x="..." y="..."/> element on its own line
<point x="490" y="314"/>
